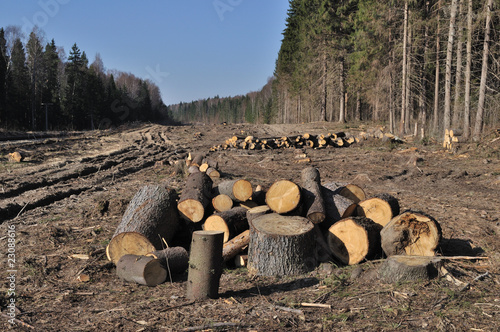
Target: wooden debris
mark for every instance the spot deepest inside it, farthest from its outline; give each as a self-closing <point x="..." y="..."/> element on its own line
<point x="16" y="157"/>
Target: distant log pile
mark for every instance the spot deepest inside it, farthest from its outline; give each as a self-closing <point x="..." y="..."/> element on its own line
<point x="452" y="139"/>
<point x="306" y="140"/>
<point x="284" y="230"/>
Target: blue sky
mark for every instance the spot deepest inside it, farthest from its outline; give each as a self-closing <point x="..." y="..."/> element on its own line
<point x="191" y="49"/>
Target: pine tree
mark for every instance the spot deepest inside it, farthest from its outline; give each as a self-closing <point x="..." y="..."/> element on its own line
<point x="18" y="92"/>
<point x="3" y="76"/>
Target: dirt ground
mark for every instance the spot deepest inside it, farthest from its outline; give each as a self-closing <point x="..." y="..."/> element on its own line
<point x="69" y="194"/>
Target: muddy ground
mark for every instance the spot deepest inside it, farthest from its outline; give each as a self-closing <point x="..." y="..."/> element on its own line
<point x="70" y="192"/>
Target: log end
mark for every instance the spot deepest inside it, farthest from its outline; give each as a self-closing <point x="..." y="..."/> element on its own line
<point x="128" y="243"/>
<point x="191" y="209"/>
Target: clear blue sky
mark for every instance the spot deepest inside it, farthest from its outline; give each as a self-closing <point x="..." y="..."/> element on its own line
<point x="191" y="49"/>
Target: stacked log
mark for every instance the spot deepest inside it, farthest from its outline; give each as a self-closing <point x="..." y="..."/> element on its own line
<point x="452" y="139"/>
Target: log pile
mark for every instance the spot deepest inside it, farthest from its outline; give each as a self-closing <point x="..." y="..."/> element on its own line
<point x="285" y="230"/>
<point x="452" y="139"/>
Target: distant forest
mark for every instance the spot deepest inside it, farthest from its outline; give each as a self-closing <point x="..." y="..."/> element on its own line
<point x="418" y="66"/>
<point x="43" y="88"/>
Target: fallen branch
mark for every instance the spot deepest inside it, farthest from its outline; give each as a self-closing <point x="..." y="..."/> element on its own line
<point x="295" y="311"/>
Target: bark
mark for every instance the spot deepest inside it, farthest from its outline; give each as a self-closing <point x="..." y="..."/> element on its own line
<point x="281" y="245"/>
<point x="342" y="115"/>
<point x="313" y="199"/>
<point x="411" y="233"/>
<point x="144" y="270"/>
<point x="409" y="268"/>
<point x="405" y="70"/>
<point x="195" y="197"/>
<point x="458" y="73"/>
<point x="435" y="125"/>
<point x="174" y="259"/>
<point x="478" y="126"/>
<point x="231" y="222"/>
<point x="205" y="265"/>
<point x="354" y="239"/>
<point x="336" y="206"/>
<point x="153" y="213"/>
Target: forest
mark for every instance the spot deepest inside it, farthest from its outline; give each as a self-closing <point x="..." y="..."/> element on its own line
<point x="419" y="67"/>
<point x="41" y="88"/>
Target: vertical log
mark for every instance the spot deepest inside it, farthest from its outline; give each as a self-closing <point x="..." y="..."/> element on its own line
<point x="313" y="198"/>
<point x="205" y="265"/>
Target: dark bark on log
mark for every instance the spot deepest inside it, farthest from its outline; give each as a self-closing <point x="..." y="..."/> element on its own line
<point x="283" y="196"/>
<point x="144" y="270"/>
<point x="348" y="190"/>
<point x="239" y="190"/>
<point x="153" y="213"/>
<point x="205" y="265"/>
<point x="411" y="233"/>
<point x="174" y="259"/>
<point x="231" y="222"/>
<point x="337" y="207"/>
<point x="195" y="197"/>
<point x="281" y="245"/>
<point x="409" y="268"/>
<point x="235" y="245"/>
<point x="354" y="239"/>
<point x="313" y="199"/>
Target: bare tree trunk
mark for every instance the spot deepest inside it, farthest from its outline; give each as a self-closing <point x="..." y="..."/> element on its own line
<point x="407" y="85"/>
<point x="404" y="73"/>
<point x="449" y="59"/>
<point x="478" y="127"/>
<point x="458" y="76"/>
<point x="342" y="92"/>
<point x="435" y="125"/>
<point x="322" y="116"/>
<point x="468" y="71"/>
<point x="423" y="90"/>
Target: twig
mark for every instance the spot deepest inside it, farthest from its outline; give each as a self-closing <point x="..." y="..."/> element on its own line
<point x="17" y="321"/>
<point x="478" y="278"/>
<point x="24" y="207"/>
<point x="316" y="305"/>
<point x="210" y="326"/>
<point x="295" y="311"/>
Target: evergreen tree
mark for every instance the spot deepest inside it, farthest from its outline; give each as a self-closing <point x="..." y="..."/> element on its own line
<point x="3" y="76"/>
<point x="18" y="92"/>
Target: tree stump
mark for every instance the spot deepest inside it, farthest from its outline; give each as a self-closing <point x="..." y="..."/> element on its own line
<point x="235" y="245"/>
<point x="205" y="265"/>
<point x="380" y="208"/>
<point x="195" y="197"/>
<point x="411" y="233"/>
<point x="239" y="190"/>
<point x="281" y="245"/>
<point x="399" y="268"/>
<point x="313" y="198"/>
<point x="231" y="222"/>
<point x="354" y="239"/>
<point x="144" y="270"/>
<point x="283" y="196"/>
<point x="152" y="212"/>
<point x="174" y="259"/>
<point x="222" y="203"/>
<point x="128" y="243"/>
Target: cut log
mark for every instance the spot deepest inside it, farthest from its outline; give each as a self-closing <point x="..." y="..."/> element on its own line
<point x="281" y="245"/>
<point x="336" y="207"/>
<point x="283" y="196"/>
<point x="213" y="173"/>
<point x="411" y="233"/>
<point x="205" y="265"/>
<point x="196" y="159"/>
<point x="128" y="243"/>
<point x="349" y="190"/>
<point x="313" y="198"/>
<point x="193" y="169"/>
<point x="235" y="245"/>
<point x="381" y="208"/>
<point x="239" y="190"/>
<point x="152" y="212"/>
<point x="144" y="270"/>
<point x="399" y="268"/>
<point x="456" y="132"/>
<point x="174" y="259"/>
<point x="231" y="222"/>
<point x="222" y="203"/>
<point x="259" y="195"/>
<point x="257" y="212"/>
<point x="16" y="156"/>
<point x="195" y="197"/>
<point x="354" y="239"/>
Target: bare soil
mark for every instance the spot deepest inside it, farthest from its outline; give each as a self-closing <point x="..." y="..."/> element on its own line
<point x="70" y="192"/>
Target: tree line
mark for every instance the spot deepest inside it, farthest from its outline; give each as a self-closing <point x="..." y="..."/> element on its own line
<point x="43" y="89"/>
<point x="418" y="66"/>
